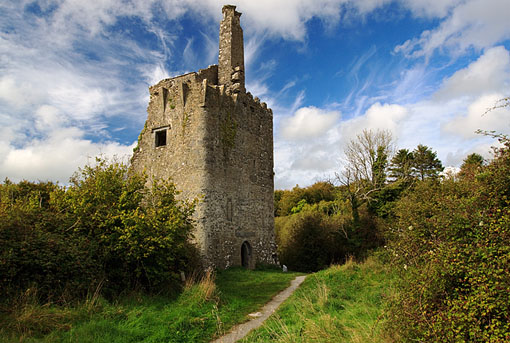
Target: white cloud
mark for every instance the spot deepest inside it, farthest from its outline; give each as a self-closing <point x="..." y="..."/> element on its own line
<point x="319" y="161"/>
<point x="473" y="23"/>
<point x="477" y="87"/>
<point x="378" y="116"/>
<point x="48" y="118"/>
<point x="64" y="79"/>
<point x="304" y="161"/>
<point x="53" y="97"/>
<point x="56" y="157"/>
<point x="430" y="8"/>
<point x="308" y="122"/>
<point x="14" y="94"/>
<point x="155" y="74"/>
<point x="456" y="157"/>
<point x="489" y="74"/>
<point x="465" y="125"/>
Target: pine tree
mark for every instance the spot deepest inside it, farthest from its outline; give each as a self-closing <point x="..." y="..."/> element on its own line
<point x="401" y="165"/>
<point x="471" y="165"/>
<point x="425" y="163"/>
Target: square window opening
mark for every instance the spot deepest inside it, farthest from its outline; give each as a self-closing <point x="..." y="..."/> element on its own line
<point x="160" y="138"/>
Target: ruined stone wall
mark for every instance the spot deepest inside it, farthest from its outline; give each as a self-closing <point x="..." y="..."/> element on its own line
<point x="176" y="108"/>
<point x="215" y="141"/>
<point x="231" y="54"/>
<point x="240" y="171"/>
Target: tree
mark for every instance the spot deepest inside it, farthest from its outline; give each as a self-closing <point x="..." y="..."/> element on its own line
<point x="473" y="159"/>
<point x="426" y="164"/>
<point x="471" y="165"/>
<point x="366" y="158"/>
<point x="401" y="165"/>
<point x="288" y="202"/>
<point x="379" y="167"/>
<point x="105" y="229"/>
<point x="367" y="153"/>
<point x="277" y="198"/>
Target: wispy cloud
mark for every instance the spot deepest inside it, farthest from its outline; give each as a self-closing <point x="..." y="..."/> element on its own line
<point x="474" y="24"/>
<point x="73" y="73"/>
<point x="444" y="120"/>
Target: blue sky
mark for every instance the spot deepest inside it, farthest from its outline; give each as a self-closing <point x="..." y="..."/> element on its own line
<point x="74" y="76"/>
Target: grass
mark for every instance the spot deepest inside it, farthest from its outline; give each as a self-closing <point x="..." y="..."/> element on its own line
<point x="340" y="304"/>
<point x="203" y="311"/>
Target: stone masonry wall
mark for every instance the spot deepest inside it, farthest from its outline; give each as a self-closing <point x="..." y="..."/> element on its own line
<point x="240" y="169"/>
<point x="215" y="141"/>
<point x="176" y="107"/>
<point x="231" y="54"/>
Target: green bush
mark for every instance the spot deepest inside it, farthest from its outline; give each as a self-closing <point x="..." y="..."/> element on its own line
<point x="311" y="239"/>
<point x="106" y="229"/>
<point x="450" y="244"/>
<point x="304" y="241"/>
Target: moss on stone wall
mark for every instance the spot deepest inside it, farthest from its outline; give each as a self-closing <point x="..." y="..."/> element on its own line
<point x="228" y="132"/>
<point x="171" y="103"/>
<point x="185" y="122"/>
<point x="135" y="149"/>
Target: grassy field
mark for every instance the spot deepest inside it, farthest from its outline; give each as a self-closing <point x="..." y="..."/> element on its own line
<point x="339" y="304"/>
<point x="201" y="312"/>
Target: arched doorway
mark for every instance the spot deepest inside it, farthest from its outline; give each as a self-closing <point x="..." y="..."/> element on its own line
<point x="246" y="254"/>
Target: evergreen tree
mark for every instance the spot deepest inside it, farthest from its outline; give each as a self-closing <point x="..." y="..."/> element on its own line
<point x="425" y="163"/>
<point x="473" y="159"/>
<point x="401" y="165"/>
<point x="471" y="165"/>
<point x="379" y="167"/>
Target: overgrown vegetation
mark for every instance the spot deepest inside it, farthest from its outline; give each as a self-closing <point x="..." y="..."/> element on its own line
<point x="206" y="308"/>
<point x="447" y="235"/>
<point x="450" y="242"/>
<point x="324" y="224"/>
<point x="339" y="304"/>
<point x="106" y="231"/>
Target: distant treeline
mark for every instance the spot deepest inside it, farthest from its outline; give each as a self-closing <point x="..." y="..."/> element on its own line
<point x="447" y="235"/>
<point x="348" y="216"/>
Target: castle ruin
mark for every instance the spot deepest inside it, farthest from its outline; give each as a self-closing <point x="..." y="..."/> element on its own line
<point x="214" y="140"/>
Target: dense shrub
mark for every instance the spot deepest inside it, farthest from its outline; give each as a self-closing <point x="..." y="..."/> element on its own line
<point x="36" y="252"/>
<point x="451" y="245"/>
<point x="314" y="238"/>
<point x="304" y="241"/>
<point x="105" y="230"/>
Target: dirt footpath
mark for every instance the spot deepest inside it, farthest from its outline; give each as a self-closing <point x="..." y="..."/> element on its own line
<point x="239" y="331"/>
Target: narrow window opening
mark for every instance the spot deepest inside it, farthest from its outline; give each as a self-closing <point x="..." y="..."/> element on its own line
<point x="230" y="210"/>
<point x="160" y="138"/>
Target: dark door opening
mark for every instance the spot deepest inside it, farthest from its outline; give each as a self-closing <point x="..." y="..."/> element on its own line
<point x="245" y="254"/>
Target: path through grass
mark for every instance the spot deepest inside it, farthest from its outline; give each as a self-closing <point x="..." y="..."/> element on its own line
<point x="202" y="312"/>
<point x="339" y="304"/>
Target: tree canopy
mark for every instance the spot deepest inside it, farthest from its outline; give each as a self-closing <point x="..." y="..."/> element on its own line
<point x="425" y="163"/>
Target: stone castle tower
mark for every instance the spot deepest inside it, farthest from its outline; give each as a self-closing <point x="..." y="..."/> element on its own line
<point x="214" y="140"/>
